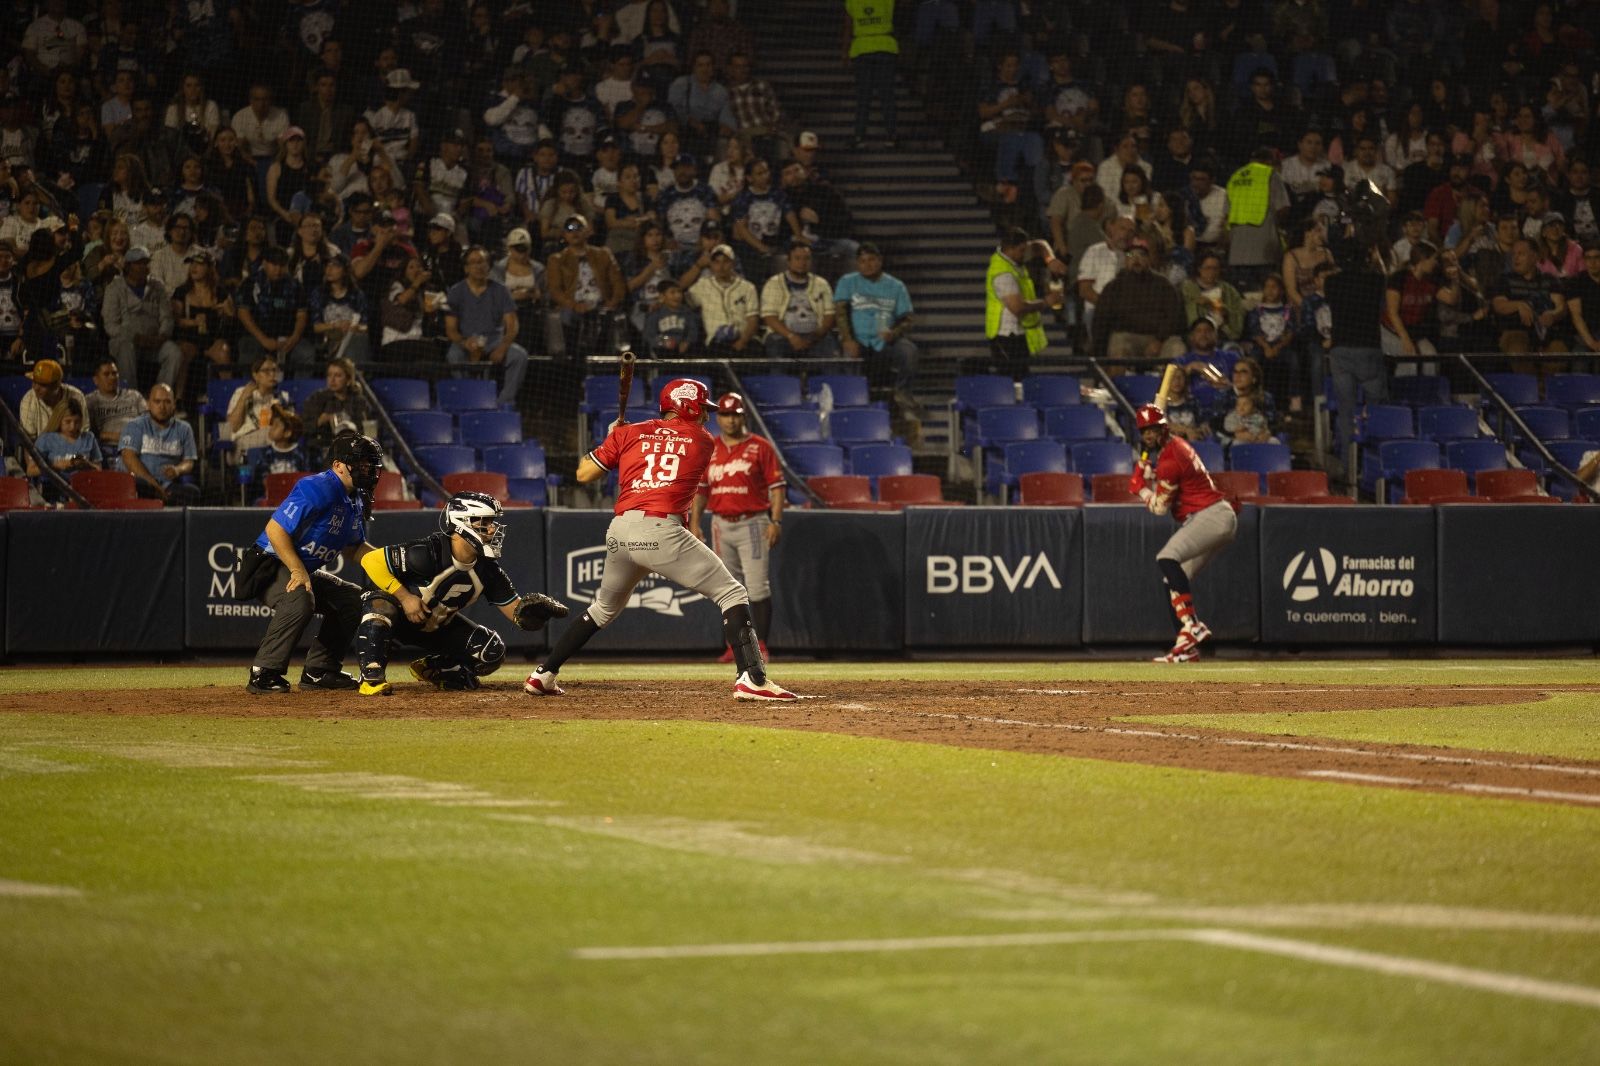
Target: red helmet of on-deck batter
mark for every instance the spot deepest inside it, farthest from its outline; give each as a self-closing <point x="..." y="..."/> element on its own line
<point x="730" y="403"/>
<point x="685" y="397"/>
<point x="1149" y="416"/>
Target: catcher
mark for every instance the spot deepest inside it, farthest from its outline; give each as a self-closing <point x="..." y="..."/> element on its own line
<point x="422" y="588"/>
<point x="1171" y="478"/>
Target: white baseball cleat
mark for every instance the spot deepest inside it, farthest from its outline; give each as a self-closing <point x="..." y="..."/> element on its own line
<point x="1197" y="632"/>
<point x="1185" y="650"/>
<point x="542" y="683"/>
<point x="746" y="689"/>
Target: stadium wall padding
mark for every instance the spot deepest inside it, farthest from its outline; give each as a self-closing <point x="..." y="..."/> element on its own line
<point x="875" y="583"/>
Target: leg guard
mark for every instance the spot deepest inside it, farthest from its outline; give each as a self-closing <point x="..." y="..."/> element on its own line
<point x="576" y="636"/>
<point x="761" y="611"/>
<point x="372" y="635"/>
<point x="1178" y="593"/>
<point x="740" y="633"/>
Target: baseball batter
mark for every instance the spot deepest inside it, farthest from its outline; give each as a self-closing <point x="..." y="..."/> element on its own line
<point x="1170" y="478"/>
<point x="659" y="465"/>
<point x="422" y="588"/>
<point x="744" y="491"/>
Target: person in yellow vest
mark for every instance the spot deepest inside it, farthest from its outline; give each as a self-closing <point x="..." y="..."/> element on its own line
<point x="872" y="52"/>
<point x="1012" y="317"/>
<point x="1257" y="200"/>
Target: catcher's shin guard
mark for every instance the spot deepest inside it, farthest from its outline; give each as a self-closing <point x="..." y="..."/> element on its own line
<point x="740" y="633"/>
<point x="372" y="638"/>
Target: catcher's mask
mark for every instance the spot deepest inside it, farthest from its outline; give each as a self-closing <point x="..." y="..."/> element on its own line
<point x="478" y="517"/>
<point x="685" y="397"/>
<point x="363" y="457"/>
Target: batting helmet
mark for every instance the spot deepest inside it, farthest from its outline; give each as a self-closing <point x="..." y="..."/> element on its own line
<point x="477" y="516"/>
<point x="1150" y="416"/>
<point x="730" y="403"/>
<point x="686" y="398"/>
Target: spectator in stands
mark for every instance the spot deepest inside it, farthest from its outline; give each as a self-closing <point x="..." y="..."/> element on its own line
<point x="522" y="275"/>
<point x="1583" y="300"/>
<point x="410" y="314"/>
<point x="1199" y="354"/>
<point x="1366" y="166"/>
<point x="340" y="405"/>
<point x="512" y="116"/>
<point x="482" y="326"/>
<point x="250" y="406"/>
<point x="1443" y="201"/>
<point x="155" y="146"/>
<point x="722" y="36"/>
<point x="193" y="115"/>
<point x="1301" y="170"/>
<point x="658" y="44"/>
<point x="1208" y="205"/>
<point x="1068" y="103"/>
<point x="1264" y="120"/>
<point x="755" y="105"/>
<point x="1493" y="257"/>
<point x="646" y="268"/>
<point x="875" y="316"/>
<point x="394" y="124"/>
<point x="167" y="263"/>
<point x="1209" y="293"/>
<point x="1246" y="423"/>
<point x="1184" y="417"/>
<point x="110" y="406"/>
<point x="1579" y="202"/>
<point x="587" y="286"/>
<point x="1198" y="114"/>
<point x="1101" y="262"/>
<point x="1270" y="335"/>
<point x="1066" y="204"/>
<point x="204" y="320"/>
<point x="703" y="107"/>
<point x="644" y="120"/>
<point x="1560" y="256"/>
<point x="1411" y="319"/>
<point x="67" y="449"/>
<point x="284" y="452"/>
<point x="824" y="219"/>
<point x="440" y="253"/>
<point x="137" y="314"/>
<point x="289" y="174"/>
<point x="1355" y="299"/>
<point x="1012" y="309"/>
<point x="259" y="124"/>
<point x="536" y="181"/>
<point x="1125" y="157"/>
<point x="873" y="54"/>
<point x="564" y="202"/>
<point x="727" y="178"/>
<point x="575" y="116"/>
<point x="231" y="174"/>
<point x="325" y="116"/>
<point x="729" y="306"/>
<point x="627" y="210"/>
<point x="1138" y="314"/>
<point x="274" y="313"/>
<point x="687" y="203"/>
<point x="1256" y="199"/>
<point x="10" y="304"/>
<point x="1532" y="311"/>
<point x="1299" y="261"/>
<point x="671" y="328"/>
<point x="797" y="309"/>
<point x="1421" y="177"/>
<point x="606" y="177"/>
<point x="339" y="315"/>
<point x="1172" y="164"/>
<point x="617" y="85"/>
<point x="159" y="451"/>
<point x="490" y="195"/>
<point x="763" y="221"/>
<point x="20" y="226"/>
<point x="1462" y="322"/>
<point x="1531" y="143"/>
<point x="43" y="405"/>
<point x="1007" y="117"/>
<point x="378" y="261"/>
<point x="53" y="41"/>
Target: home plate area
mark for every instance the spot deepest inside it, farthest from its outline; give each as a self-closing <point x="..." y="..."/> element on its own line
<point x="1082" y="719"/>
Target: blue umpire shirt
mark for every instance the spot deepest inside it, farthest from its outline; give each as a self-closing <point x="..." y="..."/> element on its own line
<point x="320" y="518"/>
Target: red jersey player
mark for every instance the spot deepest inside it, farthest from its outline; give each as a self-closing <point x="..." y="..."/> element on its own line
<point x="1171" y="478"/>
<point x="744" y="491"/>
<point x="659" y="465"/>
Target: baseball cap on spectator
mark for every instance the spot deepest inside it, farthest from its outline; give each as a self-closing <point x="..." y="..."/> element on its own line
<point x="385" y="218"/>
<point x="199" y="255"/>
<point x="730" y="403"/>
<point x="154" y="195"/>
<point x="454" y="137"/>
<point x="607" y="140"/>
<point x="575" y="223"/>
<point x="443" y="221"/>
<point x="400" y="78"/>
<point x="519" y="238"/>
<point x="722" y="249"/>
<point x="290" y="134"/>
<point x="137" y="254"/>
<point x="710" y="228"/>
<point x="684" y="159"/>
<point x="46" y="372"/>
<point x="1208" y="320"/>
<point x="808" y="140"/>
<point x="1553" y="218"/>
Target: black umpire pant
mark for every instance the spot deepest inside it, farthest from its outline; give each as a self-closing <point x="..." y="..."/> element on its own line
<point x="335" y="599"/>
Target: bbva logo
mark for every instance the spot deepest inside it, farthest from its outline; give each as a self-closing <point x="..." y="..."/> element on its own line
<point x="975" y="574"/>
<point x="1302" y="579"/>
<point x="654" y="593"/>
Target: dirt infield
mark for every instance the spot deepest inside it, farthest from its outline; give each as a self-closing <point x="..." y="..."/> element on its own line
<point x="1079" y="719"/>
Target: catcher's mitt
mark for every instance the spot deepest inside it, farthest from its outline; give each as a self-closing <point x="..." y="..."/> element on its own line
<point x="535" y="609"/>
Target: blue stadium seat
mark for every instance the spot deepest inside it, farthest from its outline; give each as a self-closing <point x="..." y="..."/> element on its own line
<point x="1002" y="425"/>
<point x="859" y="425"/>
<point x="300" y="389"/>
<point x="849" y="390"/>
<point x="1102" y="457"/>
<point x="1210" y="453"/>
<point x="440" y="460"/>
<point x="815" y="460"/>
<point x="1572" y="390"/>
<point x="486" y="429"/>
<point x="1474" y="455"/>
<point x="795" y="426"/>
<point x="1051" y="390"/>
<point x="1139" y="389"/>
<point x="85" y="385"/>
<point x="1385" y="421"/>
<point x="1421" y="390"/>
<point x="88" y="202"/>
<point x="13" y="389"/>
<point x="426" y="428"/>
<point x="1262" y="459"/>
<point x="600" y="390"/>
<point x="1448" y="423"/>
<point x="1547" y="423"/>
<point x="467" y="394"/>
<point x="1025" y="457"/>
<point x="984" y="390"/>
<point x="607" y="415"/>
<point x="1586" y="424"/>
<point x="403" y="394"/>
<point x="773" y="390"/>
<point x="1083" y="422"/>
<point x="1396" y="457"/>
<point x="1570" y="454"/>
<point x="527" y="475"/>
<point x="880" y="460"/>
<point x="1515" y="389"/>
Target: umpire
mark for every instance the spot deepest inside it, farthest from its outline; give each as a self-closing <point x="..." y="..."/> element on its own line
<point x="324" y="516"/>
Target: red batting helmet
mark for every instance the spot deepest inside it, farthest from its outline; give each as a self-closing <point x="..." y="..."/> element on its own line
<point x="730" y="403"/>
<point x="685" y="397"/>
<point x="1150" y="416"/>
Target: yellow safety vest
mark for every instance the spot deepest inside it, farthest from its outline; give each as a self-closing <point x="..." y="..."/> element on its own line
<point x="1032" y="326"/>
<point x="871" y="27"/>
<point x="1249" y="195"/>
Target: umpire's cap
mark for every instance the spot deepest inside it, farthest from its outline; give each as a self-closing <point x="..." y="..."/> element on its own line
<point x="730" y="403"/>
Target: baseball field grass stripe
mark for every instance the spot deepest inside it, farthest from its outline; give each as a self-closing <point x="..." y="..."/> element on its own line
<point x="845" y="947"/>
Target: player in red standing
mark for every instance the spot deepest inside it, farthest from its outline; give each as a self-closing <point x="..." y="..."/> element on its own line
<point x="660" y="464"/>
<point x="1171" y="478"/>
<point x="744" y="491"/>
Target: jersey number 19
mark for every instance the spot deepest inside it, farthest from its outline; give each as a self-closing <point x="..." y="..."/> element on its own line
<point x="669" y="467"/>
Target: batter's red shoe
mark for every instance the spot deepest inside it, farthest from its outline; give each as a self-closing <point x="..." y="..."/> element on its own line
<point x="746" y="689"/>
<point x="726" y="656"/>
<point x="1185" y="650"/>
<point x="1197" y="632"/>
<point x="542" y="683"/>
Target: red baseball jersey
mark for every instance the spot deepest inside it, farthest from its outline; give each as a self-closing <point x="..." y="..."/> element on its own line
<point x="740" y="477"/>
<point x="659" y="464"/>
<point x="1180" y="476"/>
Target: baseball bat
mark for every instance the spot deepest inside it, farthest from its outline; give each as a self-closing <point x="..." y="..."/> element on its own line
<point x="1172" y="372"/>
<point x="624" y="383"/>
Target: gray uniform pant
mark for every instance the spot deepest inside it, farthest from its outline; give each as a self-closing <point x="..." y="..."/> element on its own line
<point x="1201" y="537"/>
<point x="126" y="353"/>
<point x="637" y="544"/>
<point x="335" y="599"/>
<point x="742" y="547"/>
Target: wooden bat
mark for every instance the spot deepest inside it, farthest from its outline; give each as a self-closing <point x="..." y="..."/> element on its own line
<point x="1172" y="373"/>
<point x="624" y="383"/>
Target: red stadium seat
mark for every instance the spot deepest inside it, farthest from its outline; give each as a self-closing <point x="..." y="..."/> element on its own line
<point x="278" y="486"/>
<point x="14" y="495"/>
<point x="135" y="504"/>
<point x="847" y="492"/>
<point x="391" y="486"/>
<point x="1112" y="488"/>
<point x="495" y="485"/>
<point x="913" y="490"/>
<point x="1238" y="485"/>
<point x="1499" y="484"/>
<point x="1297" y="484"/>
<point x="1425" y="486"/>
<point x="1325" y="499"/>
<point x="100" y="487"/>
<point x="1051" y="490"/>
<point x="397" y="505"/>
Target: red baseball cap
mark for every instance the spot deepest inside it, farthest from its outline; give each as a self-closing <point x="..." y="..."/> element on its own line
<point x="730" y="403"/>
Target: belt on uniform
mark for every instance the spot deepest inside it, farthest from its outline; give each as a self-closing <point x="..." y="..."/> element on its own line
<point x="653" y="514"/>
<point x="741" y="517"/>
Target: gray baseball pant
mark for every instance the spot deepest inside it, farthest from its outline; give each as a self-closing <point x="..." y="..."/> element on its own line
<point x="335" y="599"/>
<point x="638" y="544"/>
<point x="1201" y="537"/>
<point x="742" y="547"/>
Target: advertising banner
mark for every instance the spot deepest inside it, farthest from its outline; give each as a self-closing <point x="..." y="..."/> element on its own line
<point x="108" y="581"/>
<point x="1125" y="600"/>
<point x="1348" y="575"/>
<point x="838" y="582"/>
<point x="1512" y="574"/>
<point x="994" y="576"/>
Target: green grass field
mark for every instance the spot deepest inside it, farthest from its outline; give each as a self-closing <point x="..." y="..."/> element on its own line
<point x="272" y="890"/>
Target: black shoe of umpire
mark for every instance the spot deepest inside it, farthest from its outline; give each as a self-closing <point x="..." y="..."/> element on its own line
<point x="329" y="679"/>
<point x="266" y="682"/>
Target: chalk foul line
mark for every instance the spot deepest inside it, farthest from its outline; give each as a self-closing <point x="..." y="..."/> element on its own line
<point x="1347" y="958"/>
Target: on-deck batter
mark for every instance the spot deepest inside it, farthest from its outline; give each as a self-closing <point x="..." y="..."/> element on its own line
<point x="660" y="464"/>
